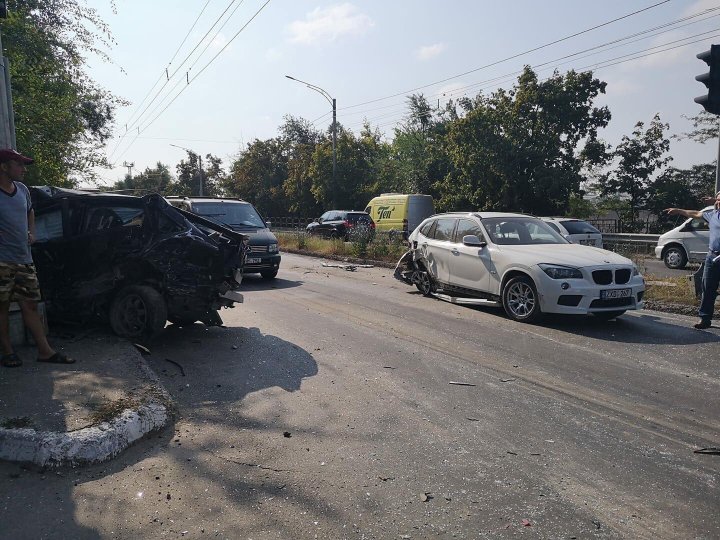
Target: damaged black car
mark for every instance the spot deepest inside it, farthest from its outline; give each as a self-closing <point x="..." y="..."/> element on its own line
<point x="134" y="262"/>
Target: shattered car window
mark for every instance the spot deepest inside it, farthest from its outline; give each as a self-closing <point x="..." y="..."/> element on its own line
<point x="49" y="226"/>
<point x="104" y="217"/>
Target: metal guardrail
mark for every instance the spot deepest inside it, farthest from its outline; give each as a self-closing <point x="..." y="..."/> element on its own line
<point x="631" y="238"/>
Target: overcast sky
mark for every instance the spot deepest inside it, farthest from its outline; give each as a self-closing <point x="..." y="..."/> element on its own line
<point x="370" y="54"/>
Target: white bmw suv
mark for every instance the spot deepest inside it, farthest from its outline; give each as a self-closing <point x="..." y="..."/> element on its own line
<point x="519" y="262"/>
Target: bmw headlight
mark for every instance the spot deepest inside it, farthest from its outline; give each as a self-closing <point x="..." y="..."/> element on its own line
<point x="561" y="272"/>
<point x="273" y="248"/>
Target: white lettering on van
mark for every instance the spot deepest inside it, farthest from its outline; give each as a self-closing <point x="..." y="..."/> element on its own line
<point x="384" y="212"/>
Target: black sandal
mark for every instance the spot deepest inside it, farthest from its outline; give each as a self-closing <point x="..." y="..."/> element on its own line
<point x="11" y="360"/>
<point x="57" y="358"/>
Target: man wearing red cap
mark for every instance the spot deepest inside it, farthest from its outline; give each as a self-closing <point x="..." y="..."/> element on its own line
<point x="18" y="280"/>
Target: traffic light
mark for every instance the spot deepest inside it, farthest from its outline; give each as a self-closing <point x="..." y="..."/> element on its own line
<point x="711" y="79"/>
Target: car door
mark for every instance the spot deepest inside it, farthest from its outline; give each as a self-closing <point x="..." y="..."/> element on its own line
<point x="321" y="226"/>
<point x="696" y="236"/>
<point x="469" y="265"/>
<point x="436" y="249"/>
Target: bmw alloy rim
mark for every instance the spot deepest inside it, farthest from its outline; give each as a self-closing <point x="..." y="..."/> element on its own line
<point x="521" y="299"/>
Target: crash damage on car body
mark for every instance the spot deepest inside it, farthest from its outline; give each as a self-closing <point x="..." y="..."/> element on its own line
<point x="134" y="262"/>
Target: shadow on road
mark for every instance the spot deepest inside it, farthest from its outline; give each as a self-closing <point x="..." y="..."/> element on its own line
<point x="255" y="282"/>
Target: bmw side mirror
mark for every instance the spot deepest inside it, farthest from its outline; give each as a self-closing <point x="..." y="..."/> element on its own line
<point x="473" y="241"/>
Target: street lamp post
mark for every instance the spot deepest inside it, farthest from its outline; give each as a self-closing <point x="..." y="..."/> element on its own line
<point x="199" y="162"/>
<point x="331" y="99"/>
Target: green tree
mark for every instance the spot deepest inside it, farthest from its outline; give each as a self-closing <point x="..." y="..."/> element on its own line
<point x="681" y="188"/>
<point x="638" y="158"/>
<point x="705" y="128"/>
<point x="525" y="149"/>
<point x="62" y="118"/>
<point x="257" y="175"/>
<point x="189" y="174"/>
<point x="152" y="180"/>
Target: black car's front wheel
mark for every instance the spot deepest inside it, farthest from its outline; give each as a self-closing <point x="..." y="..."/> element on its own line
<point x="269" y="274"/>
<point x="520" y="299"/>
<point x="138" y="311"/>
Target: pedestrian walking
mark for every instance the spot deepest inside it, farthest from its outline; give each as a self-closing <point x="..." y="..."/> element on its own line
<point x="18" y="279"/>
<point x="711" y="273"/>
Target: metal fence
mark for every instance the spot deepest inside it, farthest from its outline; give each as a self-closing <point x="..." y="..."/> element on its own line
<point x="288" y="222"/>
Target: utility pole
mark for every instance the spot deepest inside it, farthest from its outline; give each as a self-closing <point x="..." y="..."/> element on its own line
<point x="202" y="178"/>
<point x="332" y="101"/>
<point x="7" y="117"/>
<point x="201" y="174"/>
<point x="129" y="167"/>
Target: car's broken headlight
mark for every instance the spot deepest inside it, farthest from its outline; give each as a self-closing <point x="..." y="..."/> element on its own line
<point x="561" y="272"/>
<point x="273" y="248"/>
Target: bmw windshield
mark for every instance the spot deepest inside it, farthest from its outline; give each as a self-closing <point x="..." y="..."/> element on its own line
<point x="521" y="231"/>
<point x="234" y="214"/>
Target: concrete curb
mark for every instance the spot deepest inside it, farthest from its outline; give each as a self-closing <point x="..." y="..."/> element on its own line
<point x="93" y="444"/>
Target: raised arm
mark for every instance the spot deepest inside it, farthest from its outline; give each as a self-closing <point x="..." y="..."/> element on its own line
<point x="682" y="212"/>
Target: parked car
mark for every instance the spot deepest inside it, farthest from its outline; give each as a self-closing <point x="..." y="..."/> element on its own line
<point x="342" y="224"/>
<point x="520" y="263"/>
<point x="264" y="255"/>
<point x="398" y="213"/>
<point x="688" y="241"/>
<point x="576" y="230"/>
<point x="134" y="262"/>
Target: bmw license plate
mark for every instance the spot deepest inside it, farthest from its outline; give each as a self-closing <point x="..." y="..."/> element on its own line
<point x="252" y="260"/>
<point x="615" y="293"/>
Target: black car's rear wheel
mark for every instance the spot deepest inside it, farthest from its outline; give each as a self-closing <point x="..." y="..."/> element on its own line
<point x="138" y="311"/>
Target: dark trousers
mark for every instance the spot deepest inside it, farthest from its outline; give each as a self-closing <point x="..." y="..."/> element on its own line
<point x="710" y="282"/>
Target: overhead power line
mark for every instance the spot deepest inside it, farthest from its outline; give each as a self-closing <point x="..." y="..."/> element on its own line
<point x="539" y="47"/>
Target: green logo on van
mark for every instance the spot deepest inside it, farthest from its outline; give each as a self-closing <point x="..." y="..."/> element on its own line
<point x="384" y="212"/>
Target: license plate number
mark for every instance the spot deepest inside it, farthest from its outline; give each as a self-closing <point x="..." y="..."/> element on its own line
<point x="615" y="293"/>
<point x="252" y="260"/>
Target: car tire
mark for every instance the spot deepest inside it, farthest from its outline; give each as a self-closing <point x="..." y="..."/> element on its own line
<point x="425" y="283"/>
<point x="609" y="315"/>
<point x="334" y="235"/>
<point x="138" y="311"/>
<point x="269" y="274"/>
<point x="520" y="300"/>
<point x="675" y="258"/>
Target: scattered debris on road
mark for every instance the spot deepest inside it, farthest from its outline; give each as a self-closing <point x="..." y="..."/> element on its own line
<point x="711" y="450"/>
<point x="507" y="380"/>
<point x="182" y="370"/>
<point x="348" y="267"/>
<point x="287" y="434"/>
<point x="526" y="523"/>
<point x="458" y="383"/>
<point x="141" y="348"/>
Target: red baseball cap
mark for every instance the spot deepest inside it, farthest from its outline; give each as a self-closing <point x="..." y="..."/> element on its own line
<point x="8" y="154"/>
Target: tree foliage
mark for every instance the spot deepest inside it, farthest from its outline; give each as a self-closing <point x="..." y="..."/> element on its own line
<point x="525" y="149"/>
<point x="638" y="158"/>
<point x="62" y="118"/>
<point x="152" y="180"/>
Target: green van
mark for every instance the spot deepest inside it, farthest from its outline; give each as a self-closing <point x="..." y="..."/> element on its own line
<point x="399" y="213"/>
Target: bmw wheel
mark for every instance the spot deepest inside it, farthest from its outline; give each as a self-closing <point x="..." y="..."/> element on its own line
<point x="520" y="300"/>
<point x="424" y="283"/>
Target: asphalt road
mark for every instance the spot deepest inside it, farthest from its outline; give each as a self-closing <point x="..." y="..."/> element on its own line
<point x="657" y="268"/>
<point x="327" y="409"/>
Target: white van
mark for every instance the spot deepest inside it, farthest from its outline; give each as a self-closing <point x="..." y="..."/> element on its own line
<point x="686" y="242"/>
<point x="399" y="213"/>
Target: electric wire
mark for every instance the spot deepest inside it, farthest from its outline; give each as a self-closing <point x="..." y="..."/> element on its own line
<point x="517" y="55"/>
<point x="141" y="129"/>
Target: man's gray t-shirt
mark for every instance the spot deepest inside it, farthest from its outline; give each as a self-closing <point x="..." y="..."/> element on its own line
<point x="14" y="209"/>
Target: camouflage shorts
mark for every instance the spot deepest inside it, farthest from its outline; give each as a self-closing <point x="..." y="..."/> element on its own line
<point x="18" y="282"/>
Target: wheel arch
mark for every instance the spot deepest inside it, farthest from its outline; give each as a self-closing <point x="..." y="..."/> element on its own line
<point x="674" y="244"/>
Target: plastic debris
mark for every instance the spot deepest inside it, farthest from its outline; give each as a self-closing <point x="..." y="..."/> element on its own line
<point x="458" y="383"/>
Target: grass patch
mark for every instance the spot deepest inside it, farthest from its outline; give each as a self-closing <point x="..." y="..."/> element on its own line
<point x="674" y="290"/>
<point x="107" y="410"/>
<point x="19" y="422"/>
<point x="381" y="248"/>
